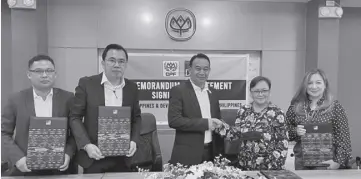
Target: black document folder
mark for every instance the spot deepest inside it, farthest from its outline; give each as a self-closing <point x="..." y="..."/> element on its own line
<point x="46" y="142"/>
<point x="317" y="144"/>
<point x="114" y="130"/>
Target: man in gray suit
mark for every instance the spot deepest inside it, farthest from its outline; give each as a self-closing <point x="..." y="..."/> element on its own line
<point x="194" y="113"/>
<point x="41" y="100"/>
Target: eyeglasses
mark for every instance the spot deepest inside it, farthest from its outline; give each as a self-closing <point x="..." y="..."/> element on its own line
<point x="42" y="71"/>
<point x="200" y="69"/>
<point x="112" y="62"/>
<point x="260" y="91"/>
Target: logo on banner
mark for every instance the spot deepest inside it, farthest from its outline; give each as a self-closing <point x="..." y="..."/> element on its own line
<point x="170" y="68"/>
<point x="186" y="69"/>
<point x="180" y="24"/>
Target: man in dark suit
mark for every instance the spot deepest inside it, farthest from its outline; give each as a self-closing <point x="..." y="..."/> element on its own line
<point x="41" y="100"/>
<point x="194" y="113"/>
<point x="109" y="88"/>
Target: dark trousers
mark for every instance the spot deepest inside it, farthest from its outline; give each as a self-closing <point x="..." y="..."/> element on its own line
<point x="108" y="164"/>
<point x="207" y="153"/>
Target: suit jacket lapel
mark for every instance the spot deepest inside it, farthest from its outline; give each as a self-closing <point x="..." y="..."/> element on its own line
<point x="126" y="91"/>
<point x="99" y="89"/>
<point x="100" y="92"/>
<point x="56" y="103"/>
<point x="29" y="102"/>
<point x="211" y="103"/>
<point x="193" y="98"/>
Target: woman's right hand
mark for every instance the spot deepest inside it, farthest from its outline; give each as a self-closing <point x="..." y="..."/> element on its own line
<point x="301" y="131"/>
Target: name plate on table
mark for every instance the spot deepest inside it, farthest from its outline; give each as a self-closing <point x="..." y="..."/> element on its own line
<point x="317" y="144"/>
<point x="114" y="130"/>
<point x="46" y="142"/>
<point x="279" y="174"/>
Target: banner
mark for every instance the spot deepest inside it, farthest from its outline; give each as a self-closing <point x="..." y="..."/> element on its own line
<point x="156" y="73"/>
<point x="159" y="89"/>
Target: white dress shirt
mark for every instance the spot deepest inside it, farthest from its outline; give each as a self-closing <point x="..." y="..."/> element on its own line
<point x="113" y="94"/>
<point x="43" y="108"/>
<point x="204" y="104"/>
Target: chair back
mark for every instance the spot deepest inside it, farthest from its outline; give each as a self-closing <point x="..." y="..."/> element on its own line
<point x="148" y="154"/>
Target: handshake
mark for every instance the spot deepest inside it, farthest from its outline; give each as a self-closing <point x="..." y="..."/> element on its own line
<point x="214" y="123"/>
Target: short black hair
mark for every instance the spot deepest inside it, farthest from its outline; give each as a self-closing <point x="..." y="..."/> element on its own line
<point x="39" y="58"/>
<point x="258" y="79"/>
<point x="199" y="55"/>
<point x="116" y="47"/>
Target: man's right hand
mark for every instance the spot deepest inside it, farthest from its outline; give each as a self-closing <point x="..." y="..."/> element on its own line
<point x="21" y="165"/>
<point x="93" y="151"/>
<point x="214" y="123"/>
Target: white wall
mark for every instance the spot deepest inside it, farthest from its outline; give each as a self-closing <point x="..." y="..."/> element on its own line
<point x="349" y="72"/>
<point x="76" y="28"/>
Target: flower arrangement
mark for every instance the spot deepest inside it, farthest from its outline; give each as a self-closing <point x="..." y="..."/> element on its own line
<point x="219" y="169"/>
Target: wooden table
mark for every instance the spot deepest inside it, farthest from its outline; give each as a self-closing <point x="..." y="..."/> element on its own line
<point x="305" y="174"/>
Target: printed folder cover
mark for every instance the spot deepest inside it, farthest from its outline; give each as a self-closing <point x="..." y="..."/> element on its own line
<point x="46" y="142"/>
<point x="114" y="130"/>
<point x="317" y="144"/>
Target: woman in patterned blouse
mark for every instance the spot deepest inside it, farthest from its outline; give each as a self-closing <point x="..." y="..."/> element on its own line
<point x="261" y="128"/>
<point x="313" y="103"/>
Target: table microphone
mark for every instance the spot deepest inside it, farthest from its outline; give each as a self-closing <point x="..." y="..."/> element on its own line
<point x="358" y="162"/>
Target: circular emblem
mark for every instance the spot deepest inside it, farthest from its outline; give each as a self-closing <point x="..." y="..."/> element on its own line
<point x="11" y="3"/>
<point x="29" y="2"/>
<point x="170" y="66"/>
<point x="339" y="11"/>
<point x="180" y="24"/>
<point x="324" y="11"/>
